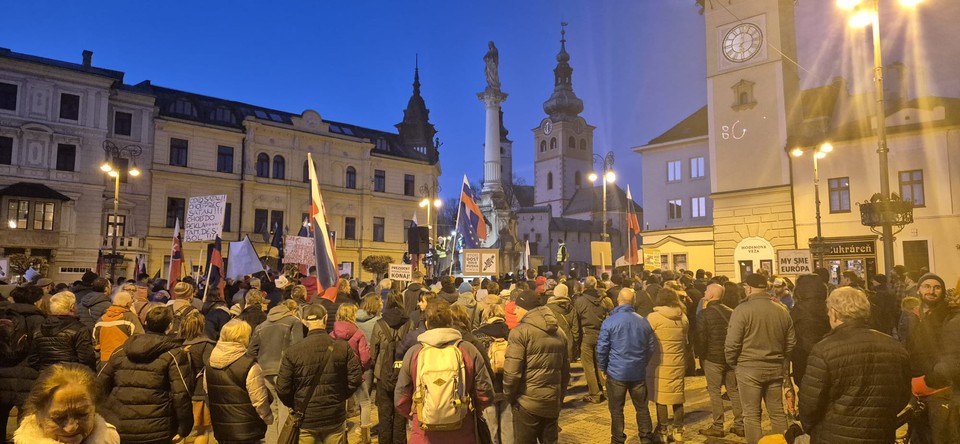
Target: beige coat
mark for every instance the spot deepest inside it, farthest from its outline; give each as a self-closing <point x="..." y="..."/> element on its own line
<point x="667" y="365"/>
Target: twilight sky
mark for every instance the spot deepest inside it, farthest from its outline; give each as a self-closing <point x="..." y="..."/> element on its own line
<point x="639" y="65"/>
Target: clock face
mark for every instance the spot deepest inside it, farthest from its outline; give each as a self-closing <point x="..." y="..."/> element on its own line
<point x="742" y="42"/>
<point x="547" y="127"/>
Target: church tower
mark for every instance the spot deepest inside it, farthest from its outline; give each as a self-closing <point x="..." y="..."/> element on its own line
<point x="416" y="131"/>
<point x="563" y="142"/>
<point x="753" y="90"/>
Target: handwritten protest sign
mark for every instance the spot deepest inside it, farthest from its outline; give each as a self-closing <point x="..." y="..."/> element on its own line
<point x="400" y="272"/>
<point x="204" y="218"/>
<point x="300" y="250"/>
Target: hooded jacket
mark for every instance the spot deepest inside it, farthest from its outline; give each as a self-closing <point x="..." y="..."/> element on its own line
<point x="366" y="322"/>
<point x="469" y="302"/>
<point x="150" y="380"/>
<point x="625" y="345"/>
<point x="397" y="327"/>
<point x="239" y="400"/>
<point x="30" y="432"/>
<point x="667" y="366"/>
<point x="477" y="381"/>
<point x="536" y="368"/>
<point x="92" y="307"/>
<point x="349" y="332"/>
<point x="63" y="339"/>
<point x="216" y="315"/>
<point x="494" y="328"/>
<point x="589" y="316"/>
<point x="16" y="381"/>
<point x="281" y="330"/>
<point x="411" y="296"/>
<point x="113" y="329"/>
<point x="562" y="309"/>
<point x="811" y="324"/>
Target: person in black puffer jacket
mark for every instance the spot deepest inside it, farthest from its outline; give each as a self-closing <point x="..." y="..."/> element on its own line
<point x="94" y="304"/>
<point x="216" y="314"/>
<point x="710" y="338"/>
<point x="150" y="383"/>
<point x="387" y="333"/>
<point x="559" y="303"/>
<point x="857" y="379"/>
<point x="810" y="321"/>
<point x="590" y="310"/>
<point x="339" y="372"/>
<point x="17" y="378"/>
<point x="252" y="311"/>
<point x="198" y="346"/>
<point x="499" y="414"/>
<point x="62" y="337"/>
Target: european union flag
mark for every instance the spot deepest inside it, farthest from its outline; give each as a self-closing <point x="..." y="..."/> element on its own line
<point x="471" y="227"/>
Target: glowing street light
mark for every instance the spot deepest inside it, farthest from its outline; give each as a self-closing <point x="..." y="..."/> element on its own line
<point x="609" y="176"/>
<point x="112" y="166"/>
<point x="819" y="153"/>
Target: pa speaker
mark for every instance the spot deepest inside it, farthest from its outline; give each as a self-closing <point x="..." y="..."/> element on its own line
<point x="418" y="240"/>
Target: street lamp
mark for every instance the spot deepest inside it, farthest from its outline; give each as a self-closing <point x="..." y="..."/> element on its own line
<point x="609" y="176"/>
<point x="115" y="166"/>
<point x="818" y="247"/>
<point x="867" y="12"/>
<point x="427" y="191"/>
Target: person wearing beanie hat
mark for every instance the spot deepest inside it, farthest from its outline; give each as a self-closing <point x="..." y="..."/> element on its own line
<point x="926" y="347"/>
<point x="562" y="307"/>
<point x="181" y="301"/>
<point x="756" y="280"/>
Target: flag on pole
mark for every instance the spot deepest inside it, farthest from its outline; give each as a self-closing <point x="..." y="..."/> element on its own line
<point x="277" y="243"/>
<point x="327" y="273"/>
<point x="633" y="230"/>
<point x="243" y="259"/>
<point x="470" y="224"/>
<point x="176" y="257"/>
<point x="305" y="228"/>
<point x="142" y="269"/>
<point x="216" y="273"/>
<point x="526" y="255"/>
<point x="99" y="269"/>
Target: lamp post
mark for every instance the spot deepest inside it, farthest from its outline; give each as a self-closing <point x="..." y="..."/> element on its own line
<point x="606" y="163"/>
<point x="818" y="247"/>
<point x="868" y="13"/>
<point x="428" y="191"/>
<point x="114" y="168"/>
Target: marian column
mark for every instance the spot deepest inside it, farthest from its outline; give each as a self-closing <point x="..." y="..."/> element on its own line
<point x="491" y="98"/>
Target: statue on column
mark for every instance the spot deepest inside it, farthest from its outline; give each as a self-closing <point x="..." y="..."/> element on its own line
<point x="492" y="60"/>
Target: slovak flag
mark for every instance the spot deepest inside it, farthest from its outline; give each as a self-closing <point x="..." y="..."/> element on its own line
<point x="217" y="274"/>
<point x="633" y="230"/>
<point x="470" y="224"/>
<point x="327" y="272"/>
<point x="176" y="258"/>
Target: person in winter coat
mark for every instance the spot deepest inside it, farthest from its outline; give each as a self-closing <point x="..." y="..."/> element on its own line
<point x="116" y="325"/>
<point x="625" y="345"/>
<point x="239" y="411"/>
<point x="150" y="380"/>
<point x="62" y="337"/>
<point x="328" y="365"/>
<point x="667" y="365"/>
<point x="810" y="320"/>
<point x="182" y="300"/>
<point x="95" y="303"/>
<point x="536" y="372"/>
<point x="369" y="314"/>
<point x="448" y="289"/>
<point x="216" y="314"/>
<point x="417" y="324"/>
<point x="412" y="294"/>
<point x="345" y="328"/>
<point x="384" y="341"/>
<point x="71" y="391"/>
<point x="857" y="379"/>
<point x="440" y="334"/>
<point x="197" y="346"/>
<point x="590" y="312"/>
<point x="947" y="368"/>
<point x="16" y="374"/>
<point x="499" y="414"/>
<point x="281" y="330"/>
<point x="561" y="306"/>
<point x="468" y="301"/>
<point x="926" y="346"/>
<point x="254" y="311"/>
<point x="343" y="296"/>
<point x="711" y="335"/>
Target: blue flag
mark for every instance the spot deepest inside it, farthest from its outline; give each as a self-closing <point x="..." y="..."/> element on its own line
<point x="470" y="224"/>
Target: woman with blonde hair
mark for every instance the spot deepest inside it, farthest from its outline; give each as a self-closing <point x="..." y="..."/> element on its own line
<point x="62" y="408"/>
<point x="345" y="328"/>
<point x="667" y="365"/>
<point x="198" y="347"/>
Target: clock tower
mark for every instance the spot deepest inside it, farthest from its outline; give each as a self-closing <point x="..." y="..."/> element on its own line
<point x="753" y="91"/>
<point x="563" y="142"/>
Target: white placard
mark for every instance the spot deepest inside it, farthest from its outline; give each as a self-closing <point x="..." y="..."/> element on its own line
<point x="4" y="268"/>
<point x="300" y="250"/>
<point x="481" y="262"/>
<point x="204" y="218"/>
<point x="794" y="262"/>
<point x="400" y="272"/>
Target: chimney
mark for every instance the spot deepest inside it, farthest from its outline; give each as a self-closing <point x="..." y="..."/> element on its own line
<point x="87" y="57"/>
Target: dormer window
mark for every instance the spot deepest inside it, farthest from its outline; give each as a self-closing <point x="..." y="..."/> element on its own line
<point x="183" y="107"/>
<point x="743" y="95"/>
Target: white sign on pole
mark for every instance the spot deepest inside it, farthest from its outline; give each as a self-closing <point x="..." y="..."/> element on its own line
<point x="400" y="272"/>
<point x="4" y="268"/>
<point x="794" y="262"/>
<point x="481" y="262"/>
<point x="300" y="250"/>
<point x="204" y="218"/>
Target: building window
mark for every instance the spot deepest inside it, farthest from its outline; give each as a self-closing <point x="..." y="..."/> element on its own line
<point x="698" y="207"/>
<point x="222" y="114"/>
<point x="911" y="187"/>
<point x="182" y="107"/>
<point x="279" y="167"/>
<point x="69" y="106"/>
<point x="351" y="179"/>
<point x="350" y="228"/>
<point x="378" y="224"/>
<point x="679" y="261"/>
<point x="260" y="220"/>
<point x="664" y="262"/>
<point x="550" y="180"/>
<point x="673" y="171"/>
<point x="18" y="214"/>
<point x="572" y="143"/>
<point x="227" y="217"/>
<point x="122" y="123"/>
<point x="178" y="152"/>
<point x="543" y="146"/>
<point x="379" y="181"/>
<point x="577" y="179"/>
<point x="276" y="220"/>
<point x="175" y="210"/>
<point x="539" y="237"/>
<point x="6" y="150"/>
<point x="67" y="157"/>
<point x="43" y="216"/>
<point x="696" y="167"/>
<point x="306" y="172"/>
<point x="225" y="159"/>
<point x="120" y="228"/>
<point x="839" y="194"/>
<point x="553" y="143"/>
<point x="583" y="144"/>
<point x="409" y="184"/>
<point x="263" y="165"/>
<point x="674" y="209"/>
<point x="8" y="96"/>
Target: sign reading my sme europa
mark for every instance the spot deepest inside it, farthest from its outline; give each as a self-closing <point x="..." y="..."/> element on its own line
<point x="204" y="218"/>
<point x="794" y="262"/>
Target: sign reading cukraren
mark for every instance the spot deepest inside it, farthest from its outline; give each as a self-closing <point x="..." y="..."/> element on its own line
<point x="204" y="218"/>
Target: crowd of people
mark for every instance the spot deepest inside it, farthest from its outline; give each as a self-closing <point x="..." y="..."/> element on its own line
<point x="478" y="360"/>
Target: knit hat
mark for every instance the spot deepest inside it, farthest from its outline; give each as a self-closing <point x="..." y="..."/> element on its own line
<point x="528" y="300"/>
<point x="756" y="280"/>
<point x="183" y="290"/>
<point x="929" y="276"/>
<point x="561" y="290"/>
<point x="465" y="287"/>
<point x="88" y="277"/>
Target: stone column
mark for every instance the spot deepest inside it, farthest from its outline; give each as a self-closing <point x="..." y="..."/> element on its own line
<point x="491" y="99"/>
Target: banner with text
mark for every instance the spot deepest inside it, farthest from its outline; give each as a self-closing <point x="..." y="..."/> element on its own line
<point x="400" y="272"/>
<point x="300" y="250"/>
<point x="794" y="262"/>
<point x="481" y="262"/>
<point x="204" y="218"/>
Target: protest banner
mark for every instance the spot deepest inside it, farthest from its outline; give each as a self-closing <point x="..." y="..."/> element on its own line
<point x="794" y="262"/>
<point x="204" y="218"/>
<point x="300" y="250"/>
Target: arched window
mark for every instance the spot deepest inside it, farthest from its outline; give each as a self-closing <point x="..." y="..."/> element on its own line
<point x="553" y="143"/>
<point x="583" y="144"/>
<point x="550" y="181"/>
<point x="351" y="180"/>
<point x="543" y="146"/>
<point x="571" y="143"/>
<point x="263" y="165"/>
<point x="279" y="167"/>
<point x="306" y="172"/>
<point x="577" y="179"/>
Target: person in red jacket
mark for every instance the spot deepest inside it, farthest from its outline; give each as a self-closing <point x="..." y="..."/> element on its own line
<point x="345" y="328"/>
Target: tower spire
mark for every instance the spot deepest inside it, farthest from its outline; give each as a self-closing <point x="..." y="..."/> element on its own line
<point x="563" y="104"/>
<point x="415" y="130"/>
<point x="416" y="75"/>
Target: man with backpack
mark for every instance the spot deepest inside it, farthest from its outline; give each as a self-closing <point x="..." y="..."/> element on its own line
<point x="388" y="332"/>
<point x="493" y="332"/>
<point x="589" y="313"/>
<point x="443" y="383"/>
<point x="412" y="294"/>
<point x="710" y="337"/>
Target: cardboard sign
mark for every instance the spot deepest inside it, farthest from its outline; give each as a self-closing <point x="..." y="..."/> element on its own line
<point x="794" y="262"/>
<point x="400" y="272"/>
<point x="300" y="250"/>
<point x="600" y="254"/>
<point x="204" y="218"/>
<point x="651" y="259"/>
<point x="481" y="262"/>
